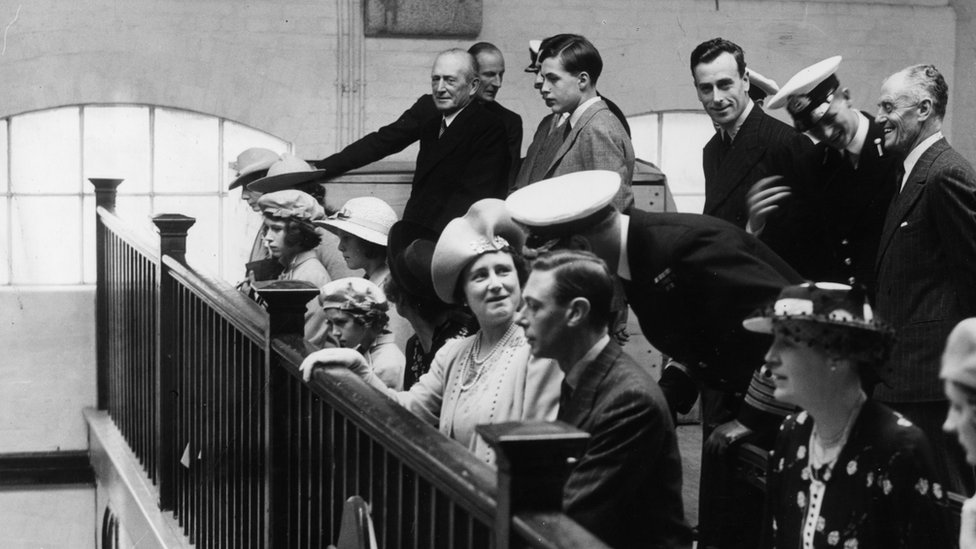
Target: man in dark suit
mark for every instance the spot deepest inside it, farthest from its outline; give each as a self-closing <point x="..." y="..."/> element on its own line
<point x="463" y="156"/>
<point x="832" y="226"/>
<point x="581" y="133"/>
<point x="626" y="487"/>
<point x="926" y="263"/>
<point x="405" y="131"/>
<point x="749" y="144"/>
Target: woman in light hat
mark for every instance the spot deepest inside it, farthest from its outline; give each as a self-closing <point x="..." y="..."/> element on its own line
<point x="357" y="311"/>
<point x="489" y="377"/>
<point x="959" y="373"/>
<point x="846" y="471"/>
<point x="291" y="239"/>
<point x="363" y="225"/>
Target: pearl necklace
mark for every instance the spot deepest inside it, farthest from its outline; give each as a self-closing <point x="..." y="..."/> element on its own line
<point x="825" y="451"/>
<point x="472" y="358"/>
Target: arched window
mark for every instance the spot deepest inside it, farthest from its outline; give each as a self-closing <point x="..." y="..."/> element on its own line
<point x="673" y="140"/>
<point x="173" y="161"/>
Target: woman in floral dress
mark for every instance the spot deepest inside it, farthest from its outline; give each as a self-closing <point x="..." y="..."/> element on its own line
<point x="846" y="471"/>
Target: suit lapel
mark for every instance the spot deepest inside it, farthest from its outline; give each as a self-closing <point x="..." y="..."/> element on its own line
<point x="581" y="405"/>
<point x="903" y="202"/>
<point x="746" y="151"/>
<point x="442" y="146"/>
<point x="587" y="115"/>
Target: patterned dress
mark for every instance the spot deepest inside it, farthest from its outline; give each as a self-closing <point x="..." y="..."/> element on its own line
<point x="418" y="362"/>
<point x="881" y="493"/>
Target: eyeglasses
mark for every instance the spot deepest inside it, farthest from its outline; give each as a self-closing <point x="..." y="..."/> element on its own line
<point x="888" y="107"/>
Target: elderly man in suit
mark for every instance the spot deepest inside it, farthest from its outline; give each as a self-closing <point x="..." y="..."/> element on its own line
<point x="463" y="156"/>
<point x="581" y="133"/>
<point x="626" y="488"/>
<point x="829" y="229"/>
<point x="406" y="129"/>
<point x="748" y="144"/>
<point x="926" y="263"/>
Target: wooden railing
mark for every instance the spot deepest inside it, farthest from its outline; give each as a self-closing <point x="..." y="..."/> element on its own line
<point x="203" y="385"/>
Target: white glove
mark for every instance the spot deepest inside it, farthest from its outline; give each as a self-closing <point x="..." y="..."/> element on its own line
<point x="350" y="358"/>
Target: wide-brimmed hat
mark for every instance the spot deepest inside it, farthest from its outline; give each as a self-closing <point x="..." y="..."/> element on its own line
<point x="409" y="255"/>
<point x="367" y="217"/>
<point x="356" y="296"/>
<point x="825" y="303"/>
<point x="288" y="172"/>
<point x="534" y="46"/>
<point x="251" y="165"/>
<point x="291" y="204"/>
<point x="761" y="86"/>
<point x="486" y="227"/>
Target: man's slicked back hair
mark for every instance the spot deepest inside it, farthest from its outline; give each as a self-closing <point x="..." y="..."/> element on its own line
<point x="575" y="52"/>
<point x="708" y="51"/>
<point x="580" y="274"/>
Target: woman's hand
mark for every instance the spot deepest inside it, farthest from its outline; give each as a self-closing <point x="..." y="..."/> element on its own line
<point x="967" y="524"/>
<point x="349" y="358"/>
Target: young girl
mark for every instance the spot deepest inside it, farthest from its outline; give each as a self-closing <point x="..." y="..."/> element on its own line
<point x="357" y="311"/>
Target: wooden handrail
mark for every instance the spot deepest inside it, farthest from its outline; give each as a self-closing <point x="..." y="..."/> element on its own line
<point x="226" y="405"/>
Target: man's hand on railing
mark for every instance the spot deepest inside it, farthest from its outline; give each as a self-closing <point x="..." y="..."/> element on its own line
<point x="724" y="436"/>
<point x="967" y="524"/>
<point x="349" y="358"/>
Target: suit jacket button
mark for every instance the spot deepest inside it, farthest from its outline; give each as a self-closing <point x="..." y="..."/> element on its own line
<point x="844" y="242"/>
<point x="851" y="281"/>
<point x="847" y="261"/>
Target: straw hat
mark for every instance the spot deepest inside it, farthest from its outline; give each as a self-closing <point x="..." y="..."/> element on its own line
<point x="818" y="302"/>
<point x="486" y="227"/>
<point x="367" y="217"/>
<point x="286" y="173"/>
<point x="251" y="165"/>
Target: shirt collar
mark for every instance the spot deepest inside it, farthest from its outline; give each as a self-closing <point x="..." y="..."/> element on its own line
<point x="448" y="118"/>
<point x="917" y="153"/>
<point x="860" y="136"/>
<point x="574" y="374"/>
<point x="623" y="264"/>
<point x="580" y="109"/>
<point x="741" y="120"/>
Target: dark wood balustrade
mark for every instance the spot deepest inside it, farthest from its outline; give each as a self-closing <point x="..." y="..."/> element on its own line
<point x="203" y="385"/>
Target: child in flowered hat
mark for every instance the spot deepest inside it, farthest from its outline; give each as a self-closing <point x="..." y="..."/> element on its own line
<point x="358" y="311"/>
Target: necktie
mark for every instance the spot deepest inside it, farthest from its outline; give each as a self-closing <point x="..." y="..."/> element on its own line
<point x="899" y="176"/>
<point x="566" y="129"/>
<point x="565" y="395"/>
<point x="726" y="141"/>
<point x="443" y="128"/>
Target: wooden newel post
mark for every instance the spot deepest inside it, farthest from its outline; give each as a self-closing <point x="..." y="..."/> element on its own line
<point x="105" y="191"/>
<point x="172" y="242"/>
<point x="286" y="301"/>
<point x="534" y="459"/>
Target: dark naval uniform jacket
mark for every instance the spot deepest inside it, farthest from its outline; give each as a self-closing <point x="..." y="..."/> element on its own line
<point x="694" y="278"/>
